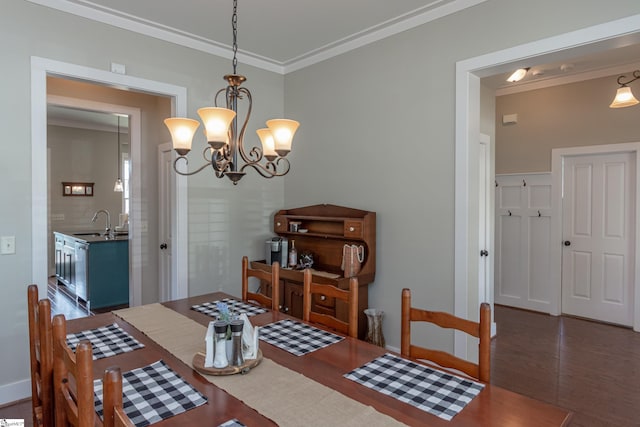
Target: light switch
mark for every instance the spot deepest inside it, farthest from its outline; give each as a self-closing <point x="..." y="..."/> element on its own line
<point x="7" y="245"/>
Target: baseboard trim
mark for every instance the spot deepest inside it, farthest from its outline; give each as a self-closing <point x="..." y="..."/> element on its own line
<point x="10" y="393"/>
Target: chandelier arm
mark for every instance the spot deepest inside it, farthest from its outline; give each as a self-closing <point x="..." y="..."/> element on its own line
<point x="257" y="153"/>
<point x="269" y="169"/>
<point x="175" y="167"/>
<point x="636" y="76"/>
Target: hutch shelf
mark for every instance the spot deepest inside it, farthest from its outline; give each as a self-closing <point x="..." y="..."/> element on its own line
<point x="328" y="229"/>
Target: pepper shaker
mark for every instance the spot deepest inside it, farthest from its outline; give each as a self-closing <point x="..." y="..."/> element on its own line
<point x="236" y="342"/>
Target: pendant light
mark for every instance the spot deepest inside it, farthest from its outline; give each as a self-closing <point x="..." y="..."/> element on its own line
<point x="118" y="187"/>
<point x="624" y="97"/>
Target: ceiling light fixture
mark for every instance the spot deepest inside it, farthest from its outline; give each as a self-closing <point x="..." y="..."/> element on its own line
<point x="518" y="75"/>
<point x="118" y="187"/>
<point x="221" y="130"/>
<point x="624" y="96"/>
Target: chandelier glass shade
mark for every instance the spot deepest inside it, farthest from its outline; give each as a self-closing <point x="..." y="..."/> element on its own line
<point x="624" y="97"/>
<point x="226" y="136"/>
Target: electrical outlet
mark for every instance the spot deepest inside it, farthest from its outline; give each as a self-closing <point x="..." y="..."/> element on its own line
<point x="7" y="245"/>
<point x="57" y="217"/>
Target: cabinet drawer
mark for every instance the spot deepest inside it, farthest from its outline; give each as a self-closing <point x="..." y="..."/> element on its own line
<point x="280" y="224"/>
<point x="324" y="301"/>
<point x="353" y="229"/>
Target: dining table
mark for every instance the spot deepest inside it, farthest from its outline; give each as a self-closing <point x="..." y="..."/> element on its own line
<point x="315" y="386"/>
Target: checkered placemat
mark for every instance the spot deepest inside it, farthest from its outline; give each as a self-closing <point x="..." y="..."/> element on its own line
<point x="435" y="392"/>
<point x="153" y="393"/>
<point x="235" y="307"/>
<point x="105" y="341"/>
<point x="296" y="337"/>
<point x="232" y="423"/>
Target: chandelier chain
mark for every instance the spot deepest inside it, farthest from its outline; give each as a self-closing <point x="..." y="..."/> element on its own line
<point x="234" y="25"/>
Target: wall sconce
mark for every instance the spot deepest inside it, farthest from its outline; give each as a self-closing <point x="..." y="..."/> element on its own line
<point x="624" y="96"/>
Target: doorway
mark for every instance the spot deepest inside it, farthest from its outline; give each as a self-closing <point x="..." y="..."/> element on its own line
<point x="89" y="141"/>
<point x="467" y="128"/>
<point x="42" y="68"/>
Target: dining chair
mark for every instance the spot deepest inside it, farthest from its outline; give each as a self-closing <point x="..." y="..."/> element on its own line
<point x="350" y="297"/>
<point x="73" y="398"/>
<point x="41" y="357"/>
<point x="113" y="411"/>
<point x="480" y="330"/>
<point x="272" y="279"/>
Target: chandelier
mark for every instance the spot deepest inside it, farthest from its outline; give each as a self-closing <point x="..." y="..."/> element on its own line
<point x="226" y="142"/>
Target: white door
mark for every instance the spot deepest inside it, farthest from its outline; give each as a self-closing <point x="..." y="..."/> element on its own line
<point x="599" y="236"/>
<point x="165" y="202"/>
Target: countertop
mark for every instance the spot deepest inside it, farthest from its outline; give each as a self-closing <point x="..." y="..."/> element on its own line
<point x="93" y="236"/>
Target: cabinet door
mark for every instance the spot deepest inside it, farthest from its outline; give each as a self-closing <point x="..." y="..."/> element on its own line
<point x="293" y="298"/>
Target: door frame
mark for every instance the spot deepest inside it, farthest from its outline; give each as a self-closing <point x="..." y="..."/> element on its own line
<point x="557" y="162"/>
<point x="40" y="69"/>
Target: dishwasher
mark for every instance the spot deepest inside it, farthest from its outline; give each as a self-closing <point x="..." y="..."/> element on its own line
<point x="82" y="271"/>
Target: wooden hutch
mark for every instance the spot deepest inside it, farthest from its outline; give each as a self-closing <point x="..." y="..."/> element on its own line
<point x="328" y="229"/>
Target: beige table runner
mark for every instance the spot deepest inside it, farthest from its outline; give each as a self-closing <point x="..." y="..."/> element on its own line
<point x="285" y="396"/>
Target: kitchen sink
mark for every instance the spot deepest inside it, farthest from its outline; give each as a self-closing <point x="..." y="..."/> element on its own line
<point x="88" y="234"/>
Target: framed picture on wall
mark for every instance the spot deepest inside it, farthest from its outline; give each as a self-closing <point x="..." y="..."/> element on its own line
<point x="83" y="189"/>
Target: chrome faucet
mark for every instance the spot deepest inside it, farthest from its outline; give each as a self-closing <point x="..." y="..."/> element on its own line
<point x="107" y="230"/>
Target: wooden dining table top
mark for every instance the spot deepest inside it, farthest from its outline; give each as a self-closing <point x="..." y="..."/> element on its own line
<point x="494" y="406"/>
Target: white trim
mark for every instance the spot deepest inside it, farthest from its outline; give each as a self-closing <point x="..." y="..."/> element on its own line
<point x="14" y="392"/>
<point x="468" y="73"/>
<point x="557" y="161"/>
<point x="40" y="67"/>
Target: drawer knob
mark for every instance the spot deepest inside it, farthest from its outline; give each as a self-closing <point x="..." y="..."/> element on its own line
<point x="323" y="297"/>
<point x="278" y="224"/>
<point x="352" y="228"/>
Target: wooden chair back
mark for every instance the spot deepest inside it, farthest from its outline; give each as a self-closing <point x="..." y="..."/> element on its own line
<point x="350" y="297"/>
<point x="272" y="278"/>
<point x="41" y="357"/>
<point x="72" y="379"/>
<point x="113" y="412"/>
<point x="480" y="330"/>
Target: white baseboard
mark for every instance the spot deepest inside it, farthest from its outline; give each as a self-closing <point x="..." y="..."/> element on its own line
<point x="13" y="392"/>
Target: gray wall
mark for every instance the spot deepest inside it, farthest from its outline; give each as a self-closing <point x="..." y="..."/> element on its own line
<point x="571" y="115"/>
<point x="378" y="134"/>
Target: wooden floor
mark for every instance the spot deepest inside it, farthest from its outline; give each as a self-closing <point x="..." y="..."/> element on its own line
<point x="589" y="368"/>
<point x="63" y="302"/>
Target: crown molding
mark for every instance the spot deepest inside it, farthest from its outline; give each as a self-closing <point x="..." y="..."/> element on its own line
<point x="383" y="30"/>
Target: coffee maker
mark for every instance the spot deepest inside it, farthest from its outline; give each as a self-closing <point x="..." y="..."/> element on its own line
<point x="277" y="249"/>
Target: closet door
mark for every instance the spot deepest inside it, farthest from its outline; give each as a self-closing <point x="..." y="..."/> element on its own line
<point x="523" y="230"/>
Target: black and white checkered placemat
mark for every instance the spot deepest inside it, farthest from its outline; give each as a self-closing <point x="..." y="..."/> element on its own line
<point x="235" y="307"/>
<point x="153" y="393"/>
<point x="105" y="341"/>
<point x="232" y="423"/>
<point x="435" y="392"/>
<point x="296" y="337"/>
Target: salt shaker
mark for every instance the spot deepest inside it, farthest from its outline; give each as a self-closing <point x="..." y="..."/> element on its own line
<point x="220" y="345"/>
<point x="236" y="342"/>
